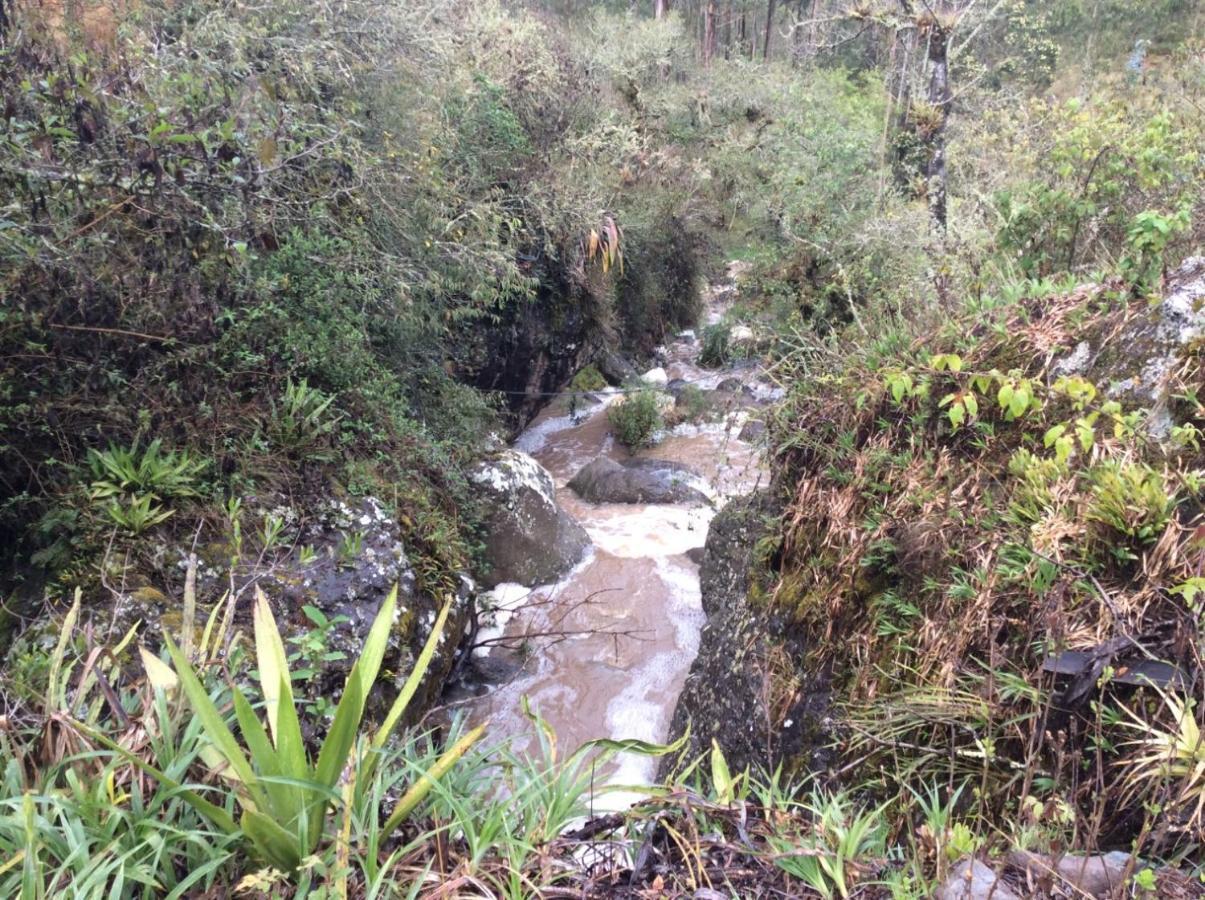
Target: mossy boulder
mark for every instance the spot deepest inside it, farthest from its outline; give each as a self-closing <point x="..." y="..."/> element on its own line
<point x="529" y="539"/>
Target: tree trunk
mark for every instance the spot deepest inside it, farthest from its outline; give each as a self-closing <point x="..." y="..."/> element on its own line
<point x="660" y="8"/>
<point x="939" y="103"/>
<point x="709" y="33"/>
<point x="765" y="50"/>
<point x="728" y="31"/>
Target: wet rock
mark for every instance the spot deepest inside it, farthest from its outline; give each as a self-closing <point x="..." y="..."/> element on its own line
<point x="603" y="480"/>
<point x="1093" y="875"/>
<point x="741" y="334"/>
<point x="695" y="555"/>
<point x="675" y="386"/>
<point x="498" y="667"/>
<point x="655" y="377"/>
<point x="752" y="431"/>
<point x="724" y="696"/>
<point x="688" y="336"/>
<point x="615" y="368"/>
<point x="730" y="386"/>
<point x="529" y="539"/>
<point x="973" y="880"/>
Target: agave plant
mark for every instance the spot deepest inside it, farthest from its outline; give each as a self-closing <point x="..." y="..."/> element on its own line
<point x="284" y="794"/>
<point x="1170" y="756"/>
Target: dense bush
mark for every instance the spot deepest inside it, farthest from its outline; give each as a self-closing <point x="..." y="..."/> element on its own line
<point x="286" y="247"/>
<point x="636" y="418"/>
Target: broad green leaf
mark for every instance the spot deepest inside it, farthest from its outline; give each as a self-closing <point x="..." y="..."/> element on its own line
<point x="721" y="777"/>
<point x="272" y="662"/>
<point x="263" y="755"/>
<point x="346" y="724"/>
<point x="1005" y="396"/>
<point x="215" y="727"/>
<point x="342" y="734"/>
<point x="294" y="764"/>
<point x="277" y="846"/>
<point x="412" y="682"/>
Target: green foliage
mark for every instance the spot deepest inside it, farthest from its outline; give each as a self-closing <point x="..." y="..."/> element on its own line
<point x="588" y="379"/>
<point x="636" y="419"/>
<point x="1103" y="165"/>
<point x="299" y="421"/>
<point x="1148" y="240"/>
<point x="1132" y="500"/>
<point x="130" y="472"/>
<point x="128" y="483"/>
<point x="844" y="836"/>
<point x="716" y="346"/>
<point x="285" y="794"/>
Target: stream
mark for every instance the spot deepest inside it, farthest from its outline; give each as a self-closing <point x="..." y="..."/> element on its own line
<point x="605" y="651"/>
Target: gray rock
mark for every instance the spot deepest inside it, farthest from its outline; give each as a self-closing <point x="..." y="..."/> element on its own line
<point x="603" y="480"/>
<point x="972" y="880"/>
<point x="724" y="696"/>
<point x="1098" y="875"/>
<point x="656" y="377"/>
<point x="615" y="368"/>
<point x="356" y="557"/>
<point x="529" y="539"/>
<point x="753" y="430"/>
<point x="1136" y="362"/>
<point x="676" y="386"/>
<point x="730" y="386"/>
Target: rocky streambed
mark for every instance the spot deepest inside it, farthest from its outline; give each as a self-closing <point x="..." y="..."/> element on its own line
<point x="602" y="648"/>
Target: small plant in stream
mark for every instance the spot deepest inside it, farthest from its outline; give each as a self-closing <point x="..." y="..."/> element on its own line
<point x="716" y="349"/>
<point x="636" y="419"/>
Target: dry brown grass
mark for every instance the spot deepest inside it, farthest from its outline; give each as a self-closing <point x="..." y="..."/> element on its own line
<point x="887" y="504"/>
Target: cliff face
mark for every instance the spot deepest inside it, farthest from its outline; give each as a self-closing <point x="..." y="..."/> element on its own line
<point x="744" y="690"/>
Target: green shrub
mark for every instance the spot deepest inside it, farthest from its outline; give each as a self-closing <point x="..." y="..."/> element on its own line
<point x="716" y="350"/>
<point x="636" y="419"/>
<point x="300" y="418"/>
<point x="588" y="379"/>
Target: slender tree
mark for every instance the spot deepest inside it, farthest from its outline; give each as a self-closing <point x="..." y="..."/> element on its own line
<point x="765" y="52"/>
<point x="709" y="33"/>
<point x="936" y="25"/>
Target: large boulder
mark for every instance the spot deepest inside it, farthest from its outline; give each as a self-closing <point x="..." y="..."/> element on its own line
<point x="724" y="698"/>
<point x="327" y="574"/>
<point x="615" y="368"/>
<point x="529" y="539"/>
<point x="656" y="377"/>
<point x="603" y="480"/>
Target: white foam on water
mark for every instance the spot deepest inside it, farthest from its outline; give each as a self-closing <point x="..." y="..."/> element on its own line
<point x="636" y="532"/>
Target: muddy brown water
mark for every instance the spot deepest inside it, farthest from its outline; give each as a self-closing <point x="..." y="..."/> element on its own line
<point x="606" y="650"/>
